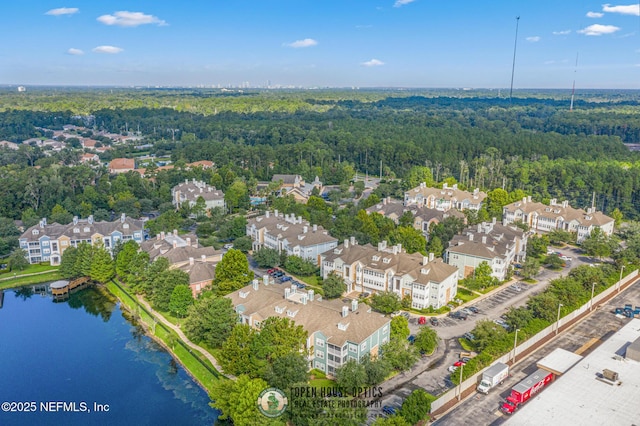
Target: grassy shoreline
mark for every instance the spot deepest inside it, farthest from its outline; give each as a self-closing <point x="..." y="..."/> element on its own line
<point x="28" y="279"/>
<point x="190" y="361"/>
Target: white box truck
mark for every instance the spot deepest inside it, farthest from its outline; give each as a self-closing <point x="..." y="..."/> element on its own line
<point x="492" y="376"/>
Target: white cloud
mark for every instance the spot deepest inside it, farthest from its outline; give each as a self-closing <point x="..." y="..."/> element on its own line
<point x="74" y="51"/>
<point x="130" y="19"/>
<point x="107" y="49"/>
<point x="63" y="11"/>
<point x="595" y="14"/>
<point x="307" y="42"/>
<point x="533" y="39"/>
<point x="597" y="30"/>
<point x="372" y="63"/>
<point x="631" y="9"/>
<point x="400" y="3"/>
<point x="563" y="32"/>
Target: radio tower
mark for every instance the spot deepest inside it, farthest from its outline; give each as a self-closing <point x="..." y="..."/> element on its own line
<point x="513" y="66"/>
<point x="573" y="90"/>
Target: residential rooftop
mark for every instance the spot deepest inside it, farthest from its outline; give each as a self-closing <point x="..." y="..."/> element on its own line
<point x="335" y="319"/>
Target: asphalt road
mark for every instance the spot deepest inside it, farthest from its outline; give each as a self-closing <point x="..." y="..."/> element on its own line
<point x="484" y="409"/>
<point x="431" y="373"/>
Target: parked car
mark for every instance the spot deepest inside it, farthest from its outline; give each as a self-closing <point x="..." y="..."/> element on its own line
<point x="516" y="287"/>
<point x="502" y="323"/>
<point x="407" y="315"/>
<point x="452" y="369"/>
<point x="469" y="336"/>
<point x="434" y="321"/>
<point x="411" y="338"/>
<point x="466" y="311"/>
<point x="389" y="410"/>
<point x="459" y="363"/>
<point x="422" y="320"/>
<point x="474" y="309"/>
<point x="458" y="315"/>
<point x="566" y="258"/>
<point x="285" y="278"/>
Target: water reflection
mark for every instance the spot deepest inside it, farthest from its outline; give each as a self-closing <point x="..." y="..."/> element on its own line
<point x="24" y="293"/>
<point x="102" y="356"/>
<point x="95" y="301"/>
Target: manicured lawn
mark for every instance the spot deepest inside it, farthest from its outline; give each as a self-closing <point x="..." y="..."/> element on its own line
<point x="465" y="344"/>
<point x="465" y="295"/>
<point x="322" y="383"/>
<point x="312" y="280"/>
<point x="34" y="279"/>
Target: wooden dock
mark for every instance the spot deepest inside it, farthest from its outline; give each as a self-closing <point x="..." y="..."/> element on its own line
<point x="62" y="289"/>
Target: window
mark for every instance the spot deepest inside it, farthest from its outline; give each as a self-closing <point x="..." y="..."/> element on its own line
<point x="35" y="232"/>
<point x="86" y="229"/>
<point x="363" y="346"/>
<point x="125" y="226"/>
<point x="319" y="354"/>
<point x="64" y="243"/>
<point x="76" y="230"/>
<point x="319" y="342"/>
<point x="353" y="348"/>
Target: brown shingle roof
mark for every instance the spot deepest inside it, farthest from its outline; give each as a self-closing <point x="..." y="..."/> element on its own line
<point x="316" y="316"/>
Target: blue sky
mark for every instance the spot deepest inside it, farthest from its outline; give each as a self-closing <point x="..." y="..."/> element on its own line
<point x="320" y="43"/>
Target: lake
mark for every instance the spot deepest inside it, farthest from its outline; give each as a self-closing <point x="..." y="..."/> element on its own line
<point x="75" y="357"/>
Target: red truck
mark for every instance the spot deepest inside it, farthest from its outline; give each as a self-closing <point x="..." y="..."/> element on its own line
<point x="524" y="390"/>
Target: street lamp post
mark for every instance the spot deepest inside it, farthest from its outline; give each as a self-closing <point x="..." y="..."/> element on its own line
<point x="558" y="320"/>
<point x="620" y="280"/>
<point x="515" y="342"/>
<point x="460" y="384"/>
<point x="593" y="287"/>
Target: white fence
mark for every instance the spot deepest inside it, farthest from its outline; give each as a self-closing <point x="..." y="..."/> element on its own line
<point x="473" y="380"/>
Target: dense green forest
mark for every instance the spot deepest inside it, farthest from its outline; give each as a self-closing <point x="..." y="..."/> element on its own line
<point x="532" y="143"/>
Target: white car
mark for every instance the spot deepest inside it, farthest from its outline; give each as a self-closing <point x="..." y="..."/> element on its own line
<point x="452" y="368"/>
<point x="566" y="258"/>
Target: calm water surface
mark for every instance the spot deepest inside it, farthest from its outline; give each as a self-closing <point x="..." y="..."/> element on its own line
<point x="84" y="351"/>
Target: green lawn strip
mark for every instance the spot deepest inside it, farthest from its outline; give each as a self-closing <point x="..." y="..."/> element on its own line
<point x="191" y="360"/>
<point x="34" y="279"/>
<point x="173" y="320"/>
<point x="36" y="267"/>
<point x="465" y="295"/>
<point x="465" y="344"/>
<point x="322" y="383"/>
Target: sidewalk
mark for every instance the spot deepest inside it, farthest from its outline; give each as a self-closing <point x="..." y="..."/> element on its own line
<point x="28" y="275"/>
<point x="421" y="366"/>
<point x="184" y="338"/>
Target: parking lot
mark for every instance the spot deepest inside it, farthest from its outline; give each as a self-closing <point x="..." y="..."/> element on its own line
<point x="484" y="409"/>
<point x="431" y="374"/>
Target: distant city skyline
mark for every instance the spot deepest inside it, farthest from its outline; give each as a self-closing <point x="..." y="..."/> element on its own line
<point x="330" y="43"/>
